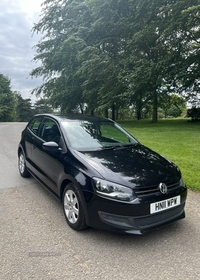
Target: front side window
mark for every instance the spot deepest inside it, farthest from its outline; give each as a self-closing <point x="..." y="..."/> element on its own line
<point x="50" y="131"/>
<point x="35" y="124"/>
<point x="86" y="135"/>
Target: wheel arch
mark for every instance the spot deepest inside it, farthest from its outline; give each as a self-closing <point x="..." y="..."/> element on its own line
<point x="64" y="183"/>
<point x="19" y="150"/>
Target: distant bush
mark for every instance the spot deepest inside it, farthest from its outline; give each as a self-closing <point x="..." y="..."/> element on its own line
<point x="194" y="113"/>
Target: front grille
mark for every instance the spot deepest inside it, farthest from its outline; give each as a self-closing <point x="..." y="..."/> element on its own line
<point x="141" y="191"/>
<point x="160" y="217"/>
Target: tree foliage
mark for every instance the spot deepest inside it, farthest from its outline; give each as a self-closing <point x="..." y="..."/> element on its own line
<point x="194" y="113"/>
<point x="97" y="55"/>
<point x="13" y="107"/>
<point x="41" y="106"/>
<point x="24" y="110"/>
<point x="173" y="106"/>
<point x="7" y="100"/>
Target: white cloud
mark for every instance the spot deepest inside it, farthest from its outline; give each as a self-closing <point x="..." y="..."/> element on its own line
<point x="16" y="43"/>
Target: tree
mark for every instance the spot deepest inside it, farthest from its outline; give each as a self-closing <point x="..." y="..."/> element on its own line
<point x="173" y="106"/>
<point x="100" y="59"/>
<point x="41" y="106"/>
<point x="64" y="24"/>
<point x="7" y="100"/>
<point x="106" y="54"/>
<point x="156" y="49"/>
<point x="24" y="108"/>
<point x="194" y="113"/>
<point x="182" y="37"/>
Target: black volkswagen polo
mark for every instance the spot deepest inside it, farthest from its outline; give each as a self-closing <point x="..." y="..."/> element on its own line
<point x="102" y="175"/>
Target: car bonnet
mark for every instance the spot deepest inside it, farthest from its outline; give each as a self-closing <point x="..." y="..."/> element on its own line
<point x="132" y="166"/>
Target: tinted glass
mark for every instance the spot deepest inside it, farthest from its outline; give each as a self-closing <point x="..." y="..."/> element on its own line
<point x="50" y="131"/>
<point x="98" y="135"/>
<point x="34" y="124"/>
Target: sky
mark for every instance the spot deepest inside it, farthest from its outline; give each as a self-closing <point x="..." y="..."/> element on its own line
<point x="17" y="18"/>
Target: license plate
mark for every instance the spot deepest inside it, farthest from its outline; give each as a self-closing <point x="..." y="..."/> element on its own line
<point x="165" y="204"/>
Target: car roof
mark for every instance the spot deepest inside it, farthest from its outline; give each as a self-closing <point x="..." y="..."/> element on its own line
<point x="73" y="117"/>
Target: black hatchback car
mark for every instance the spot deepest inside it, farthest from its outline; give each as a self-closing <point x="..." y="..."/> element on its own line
<point x="102" y="175"/>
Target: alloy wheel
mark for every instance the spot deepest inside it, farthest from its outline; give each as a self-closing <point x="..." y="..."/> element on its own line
<point x="21" y="163"/>
<point x="71" y="206"/>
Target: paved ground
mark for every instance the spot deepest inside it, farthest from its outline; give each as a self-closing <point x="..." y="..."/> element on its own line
<point x="36" y="242"/>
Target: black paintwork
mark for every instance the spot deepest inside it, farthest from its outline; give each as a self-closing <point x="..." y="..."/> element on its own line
<point x="134" y="166"/>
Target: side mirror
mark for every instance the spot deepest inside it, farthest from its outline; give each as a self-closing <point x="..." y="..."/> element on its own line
<point x="51" y="147"/>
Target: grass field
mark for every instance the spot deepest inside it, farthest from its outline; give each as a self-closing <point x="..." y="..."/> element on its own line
<point x="176" y="139"/>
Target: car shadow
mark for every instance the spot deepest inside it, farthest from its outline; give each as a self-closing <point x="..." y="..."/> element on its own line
<point x="53" y="208"/>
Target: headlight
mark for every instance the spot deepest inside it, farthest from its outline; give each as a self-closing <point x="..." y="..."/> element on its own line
<point x="182" y="183"/>
<point x="112" y="190"/>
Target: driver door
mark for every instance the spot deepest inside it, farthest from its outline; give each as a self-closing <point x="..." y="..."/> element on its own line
<point x="47" y="162"/>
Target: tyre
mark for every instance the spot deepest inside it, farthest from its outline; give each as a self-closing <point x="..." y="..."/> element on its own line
<point x="73" y="207"/>
<point x="22" y="165"/>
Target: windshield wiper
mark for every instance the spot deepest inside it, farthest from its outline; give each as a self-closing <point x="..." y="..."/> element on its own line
<point x="111" y="147"/>
<point x="130" y="145"/>
<point x="121" y="146"/>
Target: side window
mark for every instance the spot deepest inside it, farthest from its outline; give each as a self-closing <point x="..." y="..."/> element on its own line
<point x="50" y="131"/>
<point x="34" y="124"/>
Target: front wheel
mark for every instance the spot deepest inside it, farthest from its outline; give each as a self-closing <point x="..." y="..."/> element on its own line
<point x="22" y="166"/>
<point x="73" y="207"/>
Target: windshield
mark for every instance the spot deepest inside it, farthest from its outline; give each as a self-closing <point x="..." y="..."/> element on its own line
<point x="86" y="135"/>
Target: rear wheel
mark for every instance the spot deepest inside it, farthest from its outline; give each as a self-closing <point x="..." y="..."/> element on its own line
<point x="22" y="165"/>
<point x="73" y="207"/>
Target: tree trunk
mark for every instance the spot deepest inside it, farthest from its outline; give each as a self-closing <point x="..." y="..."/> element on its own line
<point x="155" y="107"/>
<point x="113" y="111"/>
<point x="106" y="113"/>
<point x="116" y="114"/>
<point x="138" y="114"/>
<point x="81" y="108"/>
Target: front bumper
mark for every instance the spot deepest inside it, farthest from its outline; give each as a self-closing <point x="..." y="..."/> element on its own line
<point x="143" y="224"/>
<point x="133" y="217"/>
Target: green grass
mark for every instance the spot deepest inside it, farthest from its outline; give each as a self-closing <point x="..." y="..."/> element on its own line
<point x="176" y="139"/>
